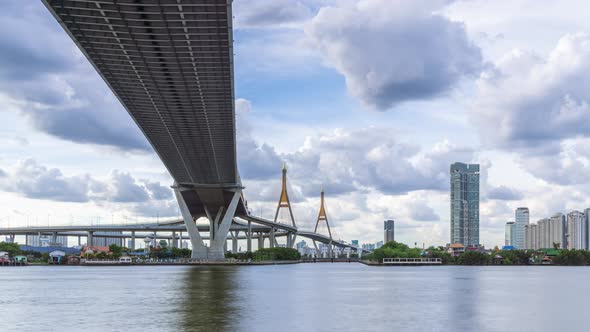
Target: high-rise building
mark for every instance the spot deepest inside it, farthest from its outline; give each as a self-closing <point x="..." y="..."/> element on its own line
<point x="107" y="241"/>
<point x="388" y="226"/>
<point x="577" y="231"/>
<point x="465" y="204"/>
<point x="557" y="232"/>
<point x="521" y="219"/>
<point x="47" y="241"/>
<point x="509" y="234"/>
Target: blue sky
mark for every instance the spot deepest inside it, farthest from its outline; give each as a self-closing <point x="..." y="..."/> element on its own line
<point x="373" y="99"/>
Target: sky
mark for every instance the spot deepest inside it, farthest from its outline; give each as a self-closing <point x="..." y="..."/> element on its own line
<point x="371" y="99"/>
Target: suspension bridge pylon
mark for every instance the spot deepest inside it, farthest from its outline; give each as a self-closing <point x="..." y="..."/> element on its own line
<point x="323" y="217"/>
<point x="284" y="203"/>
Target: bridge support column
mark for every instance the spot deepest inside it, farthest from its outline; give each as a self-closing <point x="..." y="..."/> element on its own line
<point x="174" y="240"/>
<point x="79" y="240"/>
<point x="260" y="240"/>
<point x="90" y="239"/>
<point x="132" y="240"/>
<point x="291" y="238"/>
<point x="220" y="226"/>
<point x="234" y="242"/>
<point x="272" y="237"/>
<point x="11" y="237"/>
<point x="180" y="240"/>
<point x="249" y="237"/>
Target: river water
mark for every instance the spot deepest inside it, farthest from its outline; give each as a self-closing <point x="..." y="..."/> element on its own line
<point x="302" y="297"/>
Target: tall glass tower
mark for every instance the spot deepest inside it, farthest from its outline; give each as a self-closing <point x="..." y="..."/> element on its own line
<point x="465" y="204"/>
<point x="389" y="230"/>
<point x="521" y="219"/>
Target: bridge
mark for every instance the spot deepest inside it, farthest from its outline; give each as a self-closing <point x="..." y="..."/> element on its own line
<point x="170" y="64"/>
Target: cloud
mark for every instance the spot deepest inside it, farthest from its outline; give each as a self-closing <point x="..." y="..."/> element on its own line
<point x="343" y="161"/>
<point x="269" y="13"/>
<point x="394" y="51"/>
<point x="526" y="100"/>
<point x="157" y="191"/>
<point x="504" y="193"/>
<point x="55" y="87"/>
<point x="420" y="211"/>
<point x="35" y="181"/>
<point x="125" y="189"/>
<point x="39" y="182"/>
<point x="539" y="108"/>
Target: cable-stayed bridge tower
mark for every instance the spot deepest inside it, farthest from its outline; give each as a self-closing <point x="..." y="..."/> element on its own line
<point x="323" y="219"/>
<point x="284" y="203"/>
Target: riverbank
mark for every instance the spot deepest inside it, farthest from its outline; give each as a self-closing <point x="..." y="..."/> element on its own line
<point x="98" y="263"/>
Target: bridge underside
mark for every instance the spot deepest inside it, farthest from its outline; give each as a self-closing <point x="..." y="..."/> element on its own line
<point x="170" y="63"/>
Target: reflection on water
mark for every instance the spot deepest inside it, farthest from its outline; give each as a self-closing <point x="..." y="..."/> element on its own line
<point x="463" y="300"/>
<point x="303" y="297"/>
<point x="210" y="298"/>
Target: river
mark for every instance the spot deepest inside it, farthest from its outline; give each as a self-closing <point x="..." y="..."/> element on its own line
<point x="302" y="297"/>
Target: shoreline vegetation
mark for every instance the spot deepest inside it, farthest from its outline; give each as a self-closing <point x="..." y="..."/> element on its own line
<point x="550" y="256"/>
<point x="161" y="254"/>
<point x="175" y="256"/>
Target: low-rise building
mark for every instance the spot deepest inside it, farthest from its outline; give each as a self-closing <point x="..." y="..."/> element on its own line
<point x="57" y="257"/>
<point x="455" y="249"/>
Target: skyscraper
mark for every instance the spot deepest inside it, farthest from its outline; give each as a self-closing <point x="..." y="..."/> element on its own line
<point x="509" y="234"/>
<point x="577" y="231"/>
<point x="388" y="227"/>
<point x="465" y="204"/>
<point x="521" y="219"/>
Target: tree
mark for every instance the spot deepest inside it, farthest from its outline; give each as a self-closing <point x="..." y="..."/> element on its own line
<point x="11" y="248"/>
<point x="571" y="257"/>
<point x="394" y="249"/>
<point x="278" y="254"/>
<point x="116" y="251"/>
<point x="473" y="258"/>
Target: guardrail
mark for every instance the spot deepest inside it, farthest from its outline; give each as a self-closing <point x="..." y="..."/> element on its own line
<point x="412" y="261"/>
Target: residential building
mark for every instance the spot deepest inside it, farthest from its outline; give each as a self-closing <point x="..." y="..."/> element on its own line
<point x="521" y="219"/>
<point x="531" y="236"/>
<point x="577" y="231"/>
<point x="46" y="241"/>
<point x="509" y="234"/>
<point x="465" y="204"/>
<point x="389" y="230"/>
<point x="557" y="232"/>
<point x="543" y="234"/>
<point x="455" y="249"/>
<point x="106" y="241"/>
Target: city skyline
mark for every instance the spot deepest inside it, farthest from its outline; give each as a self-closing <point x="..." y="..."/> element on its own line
<point x="378" y="153"/>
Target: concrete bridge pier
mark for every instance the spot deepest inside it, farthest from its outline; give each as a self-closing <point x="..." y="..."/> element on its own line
<point x="234" y="241"/>
<point x="260" y="240"/>
<point x="132" y="240"/>
<point x="272" y="237"/>
<point x="249" y="237"/>
<point x="11" y="238"/>
<point x="90" y="239"/>
<point x="221" y="225"/>
<point x="174" y="240"/>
